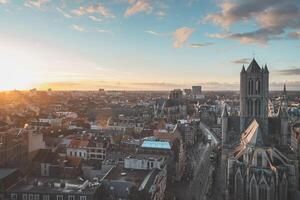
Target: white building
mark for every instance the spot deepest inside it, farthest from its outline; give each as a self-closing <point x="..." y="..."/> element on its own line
<point x="78" y="148"/>
<point x="144" y="162"/>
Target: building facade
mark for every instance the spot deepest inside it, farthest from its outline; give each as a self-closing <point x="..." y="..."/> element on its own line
<point x="260" y="162"/>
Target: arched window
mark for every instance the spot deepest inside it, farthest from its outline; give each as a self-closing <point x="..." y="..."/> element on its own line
<point x="248" y="107"/>
<point x="272" y="190"/>
<point x="263" y="191"/>
<point x="257" y="87"/>
<point x="249" y="87"/>
<point x="239" y="186"/>
<point x="253" y="189"/>
<point x="251" y="107"/>
<point x="252" y="87"/>
<point x="283" y="189"/>
<point x="257" y="107"/>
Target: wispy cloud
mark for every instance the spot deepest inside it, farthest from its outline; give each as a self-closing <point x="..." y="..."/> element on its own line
<point x="36" y="3"/>
<point x="157" y="33"/>
<point x="181" y="36"/>
<point x="289" y="72"/>
<point x="241" y="61"/>
<point x="274" y="18"/>
<point x="200" y="45"/>
<point x="94" y="18"/>
<point x="104" y="31"/>
<point x="137" y="7"/>
<point x="94" y="9"/>
<point x="64" y="13"/>
<point x="78" y="28"/>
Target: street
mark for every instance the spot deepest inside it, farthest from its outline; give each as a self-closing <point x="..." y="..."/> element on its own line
<point x="195" y="189"/>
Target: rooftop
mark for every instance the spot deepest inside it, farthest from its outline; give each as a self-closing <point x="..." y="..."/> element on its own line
<point x="52" y="185"/>
<point x="6" y="172"/>
<point x="156" y="145"/>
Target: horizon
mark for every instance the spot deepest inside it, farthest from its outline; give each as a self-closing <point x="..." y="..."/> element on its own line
<point x="146" y="45"/>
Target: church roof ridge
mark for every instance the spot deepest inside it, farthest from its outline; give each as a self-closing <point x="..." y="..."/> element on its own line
<point x="253" y="134"/>
<point x="254" y="67"/>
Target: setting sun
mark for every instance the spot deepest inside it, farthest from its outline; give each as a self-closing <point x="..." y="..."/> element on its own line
<point x="19" y="67"/>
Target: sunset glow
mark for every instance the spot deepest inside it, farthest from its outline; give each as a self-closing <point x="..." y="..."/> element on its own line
<point x="138" y="45"/>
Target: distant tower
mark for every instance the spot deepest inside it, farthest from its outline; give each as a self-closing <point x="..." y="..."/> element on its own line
<point x="224" y="125"/>
<point x="254" y="95"/>
<point x="284" y="119"/>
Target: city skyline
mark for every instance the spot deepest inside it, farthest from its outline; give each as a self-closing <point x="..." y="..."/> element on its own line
<point x="146" y="45"/>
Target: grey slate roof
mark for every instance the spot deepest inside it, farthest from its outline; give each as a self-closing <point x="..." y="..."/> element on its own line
<point x="254" y="67"/>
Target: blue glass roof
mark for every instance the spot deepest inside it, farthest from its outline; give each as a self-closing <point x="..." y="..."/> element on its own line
<point x="156" y="144"/>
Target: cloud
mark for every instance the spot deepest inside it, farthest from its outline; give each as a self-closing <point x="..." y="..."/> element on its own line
<point x="260" y="36"/>
<point x="137" y="7"/>
<point x="104" y="31"/>
<point x="200" y="45"/>
<point x="36" y="3"/>
<point x="181" y="36"/>
<point x="161" y="13"/>
<point x="3" y="2"/>
<point x="78" y="28"/>
<point x="273" y="18"/>
<point x="94" y="9"/>
<point x="94" y="18"/>
<point x="289" y="72"/>
<point x="158" y="84"/>
<point x="294" y="35"/>
<point x="242" y="61"/>
<point x="65" y="14"/>
<point x="156" y="33"/>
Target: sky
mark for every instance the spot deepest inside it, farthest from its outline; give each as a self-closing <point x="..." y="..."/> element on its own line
<point x="146" y="44"/>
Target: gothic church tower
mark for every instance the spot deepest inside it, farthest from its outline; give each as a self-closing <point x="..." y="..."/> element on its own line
<point x="254" y="95"/>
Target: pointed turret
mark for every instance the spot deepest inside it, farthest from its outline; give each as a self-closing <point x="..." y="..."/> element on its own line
<point x="282" y="113"/>
<point x="225" y="113"/>
<point x="266" y="70"/>
<point x="243" y="70"/>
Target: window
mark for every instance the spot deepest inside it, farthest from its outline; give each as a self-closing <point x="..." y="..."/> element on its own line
<point x="239" y="186"/>
<point x="71" y="197"/>
<point x="24" y="197"/>
<point x="257" y="87"/>
<point x="75" y="154"/>
<point x="30" y="197"/>
<point x="283" y="189"/>
<point x="263" y="193"/>
<point x="36" y="197"/>
<point x="82" y="198"/>
<point x="79" y="154"/>
<point x="257" y="107"/>
<point x="46" y="197"/>
<point x="253" y="190"/>
<point x="13" y="196"/>
<point x="59" y="197"/>
<point x="249" y="87"/>
<point x="70" y="153"/>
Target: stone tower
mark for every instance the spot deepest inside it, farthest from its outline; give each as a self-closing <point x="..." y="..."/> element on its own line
<point x="224" y="125"/>
<point x="283" y="115"/>
<point x="254" y="95"/>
